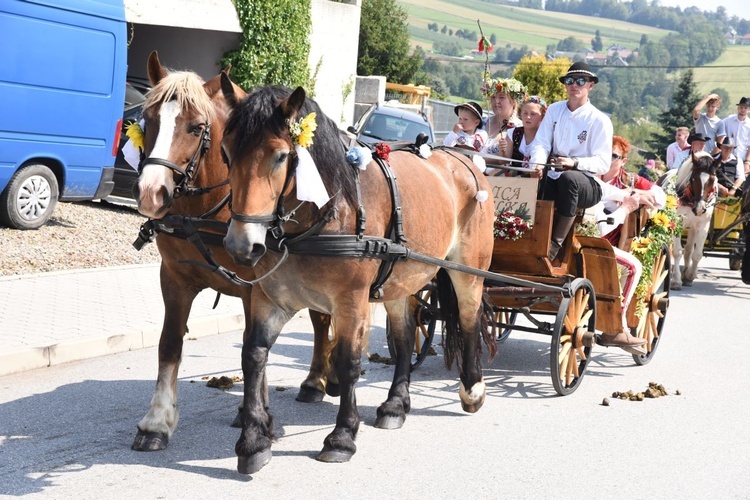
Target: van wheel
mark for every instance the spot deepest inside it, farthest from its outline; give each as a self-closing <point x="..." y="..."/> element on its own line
<point x="30" y="197"/>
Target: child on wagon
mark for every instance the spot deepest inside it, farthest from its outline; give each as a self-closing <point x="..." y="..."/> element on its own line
<point x="468" y="130"/>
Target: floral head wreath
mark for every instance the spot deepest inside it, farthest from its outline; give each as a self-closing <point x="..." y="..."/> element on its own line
<point x="535" y="99"/>
<point x="515" y="89"/>
<point x="302" y="131"/>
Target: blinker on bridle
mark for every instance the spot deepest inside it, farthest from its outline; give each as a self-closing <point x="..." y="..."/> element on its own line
<point x="191" y="171"/>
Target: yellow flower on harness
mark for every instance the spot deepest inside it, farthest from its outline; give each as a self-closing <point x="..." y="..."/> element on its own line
<point x="302" y="131"/>
<point x="640" y="245"/>
<point x="135" y="134"/>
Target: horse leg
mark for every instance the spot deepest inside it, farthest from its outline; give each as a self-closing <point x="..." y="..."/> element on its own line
<point x="253" y="448"/>
<point x="392" y="413"/>
<point x="463" y="310"/>
<point x="699" y="240"/>
<point x="676" y="279"/>
<point x="157" y="426"/>
<point x="315" y="386"/>
<point x="351" y="327"/>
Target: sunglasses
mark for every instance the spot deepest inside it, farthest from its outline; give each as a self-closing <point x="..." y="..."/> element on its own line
<point x="617" y="157"/>
<point x="580" y="81"/>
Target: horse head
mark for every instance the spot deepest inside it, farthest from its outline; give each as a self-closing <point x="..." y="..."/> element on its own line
<point x="696" y="182"/>
<point x="182" y="116"/>
<point x="263" y="146"/>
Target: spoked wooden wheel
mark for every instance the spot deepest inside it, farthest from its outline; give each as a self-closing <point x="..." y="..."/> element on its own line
<point x="573" y="337"/>
<point x="651" y="324"/>
<point x="425" y="306"/>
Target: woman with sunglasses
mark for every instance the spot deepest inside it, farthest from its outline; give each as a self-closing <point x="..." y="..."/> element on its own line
<point x="577" y="138"/>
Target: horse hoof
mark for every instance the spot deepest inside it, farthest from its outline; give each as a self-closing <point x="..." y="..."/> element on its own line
<point x="333" y="390"/>
<point x="675" y="286"/>
<point x="310" y="395"/>
<point x="150" y="441"/>
<point x="473" y="407"/>
<point x="334" y="456"/>
<point x="253" y="463"/>
<point x="390" y="422"/>
<point x="237" y="422"/>
<point x="687" y="283"/>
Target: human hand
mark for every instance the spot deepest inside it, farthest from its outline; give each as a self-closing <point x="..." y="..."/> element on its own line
<point x="647" y="198"/>
<point x="457" y="128"/>
<point x="631" y="202"/>
<point x="564" y="163"/>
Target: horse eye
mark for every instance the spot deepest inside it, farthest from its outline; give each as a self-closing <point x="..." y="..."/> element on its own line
<point x="196" y="130"/>
<point x="282" y="157"/>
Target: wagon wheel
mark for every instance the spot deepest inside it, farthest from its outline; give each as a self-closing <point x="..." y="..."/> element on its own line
<point x="425" y="303"/>
<point x="651" y="323"/>
<point x="573" y="337"/>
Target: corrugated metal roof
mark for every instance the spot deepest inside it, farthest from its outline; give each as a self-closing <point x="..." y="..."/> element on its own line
<point x="216" y="15"/>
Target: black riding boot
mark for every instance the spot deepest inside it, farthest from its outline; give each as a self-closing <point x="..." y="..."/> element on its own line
<point x="560" y="228"/>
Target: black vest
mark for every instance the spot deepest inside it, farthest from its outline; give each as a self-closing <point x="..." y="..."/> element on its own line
<point x="726" y="173"/>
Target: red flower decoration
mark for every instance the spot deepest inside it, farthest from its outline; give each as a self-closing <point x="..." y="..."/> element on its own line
<point x="382" y="150"/>
<point x="484" y="45"/>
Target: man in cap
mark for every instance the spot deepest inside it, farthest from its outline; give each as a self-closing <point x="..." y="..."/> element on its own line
<point x="578" y="139"/>
<point x="737" y="128"/>
<point x="728" y="173"/>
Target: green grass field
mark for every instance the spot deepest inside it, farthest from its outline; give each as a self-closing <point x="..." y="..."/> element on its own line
<point x="732" y="77"/>
<point x="517" y="26"/>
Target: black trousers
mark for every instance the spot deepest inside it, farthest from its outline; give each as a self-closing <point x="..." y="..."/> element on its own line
<point x="572" y="190"/>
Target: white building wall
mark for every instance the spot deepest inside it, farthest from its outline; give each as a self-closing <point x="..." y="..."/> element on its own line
<point x="334" y="43"/>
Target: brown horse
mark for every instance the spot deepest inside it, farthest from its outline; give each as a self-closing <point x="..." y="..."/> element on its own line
<point x="183" y="175"/>
<point x="343" y="255"/>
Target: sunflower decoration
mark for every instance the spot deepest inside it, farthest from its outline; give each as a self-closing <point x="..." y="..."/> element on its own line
<point x="134" y="131"/>
<point x="302" y="131"/>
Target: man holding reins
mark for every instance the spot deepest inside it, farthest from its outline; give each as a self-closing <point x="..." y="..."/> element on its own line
<point x="577" y="138"/>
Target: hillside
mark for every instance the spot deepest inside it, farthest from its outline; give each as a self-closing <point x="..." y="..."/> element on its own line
<point x="517" y="26"/>
<point x="728" y="72"/>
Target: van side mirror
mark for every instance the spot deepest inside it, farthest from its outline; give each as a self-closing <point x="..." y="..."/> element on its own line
<point x="351" y="129"/>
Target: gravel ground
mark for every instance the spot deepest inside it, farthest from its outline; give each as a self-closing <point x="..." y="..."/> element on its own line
<point x="78" y="236"/>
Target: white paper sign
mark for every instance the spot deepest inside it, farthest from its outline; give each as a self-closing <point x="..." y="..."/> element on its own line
<point x="512" y="193"/>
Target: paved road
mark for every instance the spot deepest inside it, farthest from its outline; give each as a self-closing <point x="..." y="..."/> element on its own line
<point x="65" y="431"/>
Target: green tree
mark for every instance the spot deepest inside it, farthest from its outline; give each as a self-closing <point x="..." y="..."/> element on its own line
<point x="384" y="42"/>
<point x="542" y="76"/>
<point x="274" y="48"/>
<point x="679" y="114"/>
<point x="596" y="43"/>
<point x="571" y="44"/>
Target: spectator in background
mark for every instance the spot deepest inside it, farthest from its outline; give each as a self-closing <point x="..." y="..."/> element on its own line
<point x="697" y="143"/>
<point x="648" y="171"/>
<point x="708" y="123"/>
<point x="737" y="128"/>
<point x="678" y="150"/>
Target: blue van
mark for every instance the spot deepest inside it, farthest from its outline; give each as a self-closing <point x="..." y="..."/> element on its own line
<point x="63" y="65"/>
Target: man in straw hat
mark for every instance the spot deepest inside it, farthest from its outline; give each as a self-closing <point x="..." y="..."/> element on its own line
<point x="577" y="138"/>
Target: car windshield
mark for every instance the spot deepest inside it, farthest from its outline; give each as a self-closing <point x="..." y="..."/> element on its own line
<point x="133" y="97"/>
<point x="393" y="128"/>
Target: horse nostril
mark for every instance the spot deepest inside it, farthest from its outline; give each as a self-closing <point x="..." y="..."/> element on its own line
<point x="258" y="250"/>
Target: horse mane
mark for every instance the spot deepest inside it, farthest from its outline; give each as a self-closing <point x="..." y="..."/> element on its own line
<point x="259" y="113"/>
<point x="701" y="161"/>
<point x="187" y="88"/>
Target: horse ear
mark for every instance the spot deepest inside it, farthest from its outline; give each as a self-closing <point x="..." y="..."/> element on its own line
<point x="227" y="69"/>
<point x="292" y="104"/>
<point x="232" y="93"/>
<point x="155" y="70"/>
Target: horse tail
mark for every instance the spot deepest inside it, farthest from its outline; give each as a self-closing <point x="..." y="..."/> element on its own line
<point x="453" y="340"/>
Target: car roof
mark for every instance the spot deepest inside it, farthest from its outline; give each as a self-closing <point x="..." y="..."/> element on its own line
<point x="400" y="113"/>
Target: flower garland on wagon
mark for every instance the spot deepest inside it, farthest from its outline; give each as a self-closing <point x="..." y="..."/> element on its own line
<point x="663" y="225"/>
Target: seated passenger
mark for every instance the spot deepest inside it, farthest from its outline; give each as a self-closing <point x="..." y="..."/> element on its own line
<point x="578" y="139"/>
<point x="468" y="130"/>
<point x="729" y="175"/>
<point x="532" y="113"/>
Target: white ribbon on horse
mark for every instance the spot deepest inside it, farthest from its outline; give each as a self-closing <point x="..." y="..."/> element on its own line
<point x="310" y="185"/>
<point x="130" y="153"/>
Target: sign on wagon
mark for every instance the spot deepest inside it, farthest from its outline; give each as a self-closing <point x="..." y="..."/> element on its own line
<point x="513" y="193"/>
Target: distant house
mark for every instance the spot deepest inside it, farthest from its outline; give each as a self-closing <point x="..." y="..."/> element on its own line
<point x="596" y="59"/>
<point x="619" y="61"/>
<point x="745" y="39"/>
